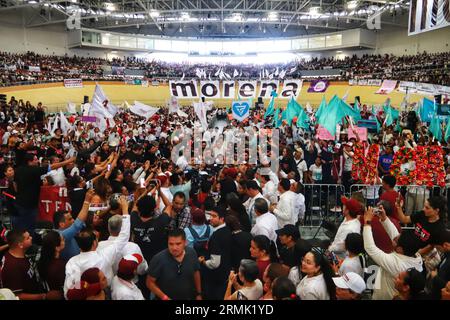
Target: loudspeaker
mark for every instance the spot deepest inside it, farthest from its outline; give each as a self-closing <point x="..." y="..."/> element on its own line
<point x="203" y="99"/>
<point x="438" y="98"/>
<point x="260" y="100"/>
<point x="86" y="99"/>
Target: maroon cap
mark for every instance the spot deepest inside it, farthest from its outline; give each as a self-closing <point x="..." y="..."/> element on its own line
<point x="353" y="205"/>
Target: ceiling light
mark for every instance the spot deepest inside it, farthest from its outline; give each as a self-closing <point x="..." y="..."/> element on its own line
<point x="272" y="16"/>
<point x="185" y="15"/>
<point x="154" y="14"/>
<point x="314" y="10"/>
<point x="352" y="4"/>
<point x="110" y="6"/>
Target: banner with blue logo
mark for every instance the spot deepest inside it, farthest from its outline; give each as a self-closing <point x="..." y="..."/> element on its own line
<point x="240" y="110"/>
<point x="427" y="110"/>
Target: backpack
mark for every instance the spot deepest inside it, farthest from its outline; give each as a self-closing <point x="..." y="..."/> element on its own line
<point x="201" y="243"/>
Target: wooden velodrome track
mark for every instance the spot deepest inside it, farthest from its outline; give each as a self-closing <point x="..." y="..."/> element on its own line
<point x="55" y="96"/>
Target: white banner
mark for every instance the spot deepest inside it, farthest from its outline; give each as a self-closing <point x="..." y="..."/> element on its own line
<point x="374" y="82"/>
<point x="266" y="87"/>
<point x="144" y="83"/>
<point x="183" y="89"/>
<point x="34" y="69"/>
<point x="210" y="89"/>
<point x="291" y="88"/>
<point x="247" y="89"/>
<point x="387" y="87"/>
<point x="228" y="89"/>
<point x="73" y="83"/>
<point x="428" y="15"/>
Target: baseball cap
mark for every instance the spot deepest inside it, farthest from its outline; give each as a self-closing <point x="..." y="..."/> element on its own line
<point x="352" y="281"/>
<point x="352" y="205"/>
<point x="129" y="264"/>
<point x="85" y="291"/>
<point x="289" y="230"/>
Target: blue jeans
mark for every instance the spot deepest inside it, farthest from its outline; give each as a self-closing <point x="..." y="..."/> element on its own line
<point x="25" y="218"/>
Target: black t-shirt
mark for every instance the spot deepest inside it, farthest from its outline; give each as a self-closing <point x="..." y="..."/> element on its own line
<point x="175" y="279"/>
<point x="240" y="248"/>
<point x="220" y="244"/>
<point x="151" y="235"/>
<point x="39" y="115"/>
<point x="28" y="180"/>
<point x="424" y="230"/>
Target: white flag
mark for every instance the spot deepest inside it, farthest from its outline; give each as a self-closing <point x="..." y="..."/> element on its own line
<point x="65" y="125"/>
<point x="200" y="111"/>
<point x="293" y="70"/>
<point x="344" y="98"/>
<point x="100" y="104"/>
<point x="218" y="72"/>
<point x="182" y="78"/>
<point x="282" y="74"/>
<point x="198" y="73"/>
<point x="181" y="113"/>
<point x="143" y="110"/>
<point x="277" y="72"/>
<point x="235" y="73"/>
<point x="173" y="105"/>
<point x="55" y="124"/>
<point x="71" y="107"/>
<point x="209" y="77"/>
<point x="308" y="107"/>
<point x="270" y="76"/>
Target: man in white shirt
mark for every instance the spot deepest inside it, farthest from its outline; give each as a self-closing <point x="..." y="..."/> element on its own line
<point x="114" y="227"/>
<point x="284" y="210"/>
<point x="265" y="223"/>
<point x="299" y="204"/>
<point x="269" y="189"/>
<point x="351" y="224"/>
<point x="57" y="175"/>
<point x="92" y="257"/>
<point x="253" y="193"/>
<point x="302" y="167"/>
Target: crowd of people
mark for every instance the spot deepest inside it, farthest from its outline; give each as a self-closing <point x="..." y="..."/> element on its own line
<point x="422" y="67"/>
<point x="146" y="225"/>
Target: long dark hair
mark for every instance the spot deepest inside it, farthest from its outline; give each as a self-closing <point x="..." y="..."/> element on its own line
<point x="49" y="243"/>
<point x="322" y="262"/>
<point x="265" y="244"/>
<point x="439" y="203"/>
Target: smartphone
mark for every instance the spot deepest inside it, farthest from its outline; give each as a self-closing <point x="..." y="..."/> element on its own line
<point x="109" y="166"/>
<point x="142" y="182"/>
<point x="334" y="258"/>
<point x="89" y="184"/>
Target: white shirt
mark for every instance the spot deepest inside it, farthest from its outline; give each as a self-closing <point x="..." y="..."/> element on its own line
<point x="351" y="265"/>
<point x="316" y="172"/>
<point x="346" y="227"/>
<point x="250" y="206"/>
<point x="295" y="276"/>
<point x="285" y="210"/>
<point x="266" y="225"/>
<point x="125" y="290"/>
<point x="348" y="162"/>
<point x="58" y="177"/>
<point x="102" y="259"/>
<point x="302" y="167"/>
<point x="129" y="249"/>
<point x="299" y="205"/>
<point x="253" y="293"/>
<point x="270" y="191"/>
<point x="313" y="288"/>
<point x="169" y="197"/>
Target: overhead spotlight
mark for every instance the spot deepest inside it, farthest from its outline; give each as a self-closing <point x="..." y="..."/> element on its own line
<point x="117" y="22"/>
<point x="185" y="15"/>
<point x="181" y="29"/>
<point x="348" y="20"/>
<point x="272" y="16"/>
<point x="264" y="30"/>
<point x="137" y="26"/>
<point x="326" y="24"/>
<point x="306" y="27"/>
<point x="352" y="4"/>
<point x="110" y="6"/>
<point x="314" y="10"/>
<point x="154" y="14"/>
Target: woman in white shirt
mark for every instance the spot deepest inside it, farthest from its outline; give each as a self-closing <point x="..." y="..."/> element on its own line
<point x="122" y="286"/>
<point x="301" y="248"/>
<point x="354" y="262"/>
<point x="252" y="288"/>
<point x="316" y="171"/>
<point x="318" y="283"/>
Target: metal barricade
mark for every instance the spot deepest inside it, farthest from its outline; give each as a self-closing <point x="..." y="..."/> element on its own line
<point x="323" y="202"/>
<point x="368" y="194"/>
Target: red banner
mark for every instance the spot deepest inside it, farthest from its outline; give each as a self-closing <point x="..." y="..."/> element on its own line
<point x="52" y="199"/>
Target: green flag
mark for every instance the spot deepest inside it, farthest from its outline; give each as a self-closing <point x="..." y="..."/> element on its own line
<point x="303" y="120"/>
<point x="277" y="121"/>
<point x="333" y="116"/>
<point x="271" y="107"/>
<point x="447" y="130"/>
<point x="321" y="109"/>
<point x="435" y="125"/>
<point x="293" y="109"/>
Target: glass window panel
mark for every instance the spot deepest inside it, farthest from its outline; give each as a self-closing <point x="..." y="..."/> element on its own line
<point x="299" y="44"/>
<point x="334" y="40"/>
<point x="145" y="43"/>
<point x="180" y="46"/>
<point x="163" y="45"/>
<point x="281" y="45"/>
<point x="110" y="39"/>
<point x="127" y="42"/>
<point x="317" y="42"/>
<point x="265" y="46"/>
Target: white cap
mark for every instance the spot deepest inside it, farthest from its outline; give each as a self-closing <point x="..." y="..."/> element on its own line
<point x="292" y="181"/>
<point x="352" y="281"/>
<point x="7" y="294"/>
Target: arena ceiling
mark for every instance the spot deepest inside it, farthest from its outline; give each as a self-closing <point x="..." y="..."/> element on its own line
<point x="213" y="18"/>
